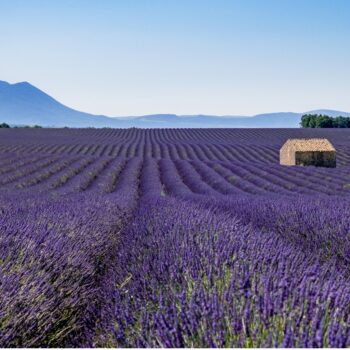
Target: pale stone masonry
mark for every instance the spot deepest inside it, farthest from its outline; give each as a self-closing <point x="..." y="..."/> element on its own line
<point x="317" y="152"/>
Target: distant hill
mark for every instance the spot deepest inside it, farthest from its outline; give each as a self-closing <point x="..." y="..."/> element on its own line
<point x="24" y="104"/>
<point x="273" y="120"/>
<point x="329" y="112"/>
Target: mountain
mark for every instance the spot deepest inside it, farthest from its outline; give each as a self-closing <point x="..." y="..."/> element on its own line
<point x="330" y="112"/>
<point x="24" y="104"/>
<point x="273" y="120"/>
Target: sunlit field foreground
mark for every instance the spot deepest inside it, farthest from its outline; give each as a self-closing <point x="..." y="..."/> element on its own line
<point x="172" y="238"/>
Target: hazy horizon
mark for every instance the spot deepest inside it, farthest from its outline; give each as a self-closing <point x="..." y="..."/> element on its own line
<point x="180" y="57"/>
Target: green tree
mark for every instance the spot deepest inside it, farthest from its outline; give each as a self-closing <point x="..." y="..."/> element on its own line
<point x="309" y="121"/>
<point x="324" y="121"/>
<point x="305" y="121"/>
<point x="341" y="122"/>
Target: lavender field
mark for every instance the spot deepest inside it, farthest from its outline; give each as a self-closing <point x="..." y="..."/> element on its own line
<point x="172" y="238"/>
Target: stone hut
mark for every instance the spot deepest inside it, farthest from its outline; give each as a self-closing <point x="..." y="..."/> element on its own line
<point x="317" y="152"/>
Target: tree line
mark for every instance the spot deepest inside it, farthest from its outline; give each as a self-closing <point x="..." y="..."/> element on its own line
<point x="324" y="121"/>
<point x="6" y="126"/>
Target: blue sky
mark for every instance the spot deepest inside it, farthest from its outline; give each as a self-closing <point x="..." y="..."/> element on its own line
<point x="225" y="57"/>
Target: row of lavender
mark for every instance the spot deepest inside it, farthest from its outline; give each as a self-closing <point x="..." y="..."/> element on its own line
<point x="245" y="271"/>
<point x="245" y="154"/>
<point x="57" y="253"/>
<point x="58" y="246"/>
<point x="104" y="251"/>
<point x="196" y="276"/>
<point x="88" y="137"/>
<point x="225" y="145"/>
<point x="185" y="271"/>
<point x="62" y="174"/>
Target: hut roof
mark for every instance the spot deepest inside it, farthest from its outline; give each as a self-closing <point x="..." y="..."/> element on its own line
<point x="309" y="145"/>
